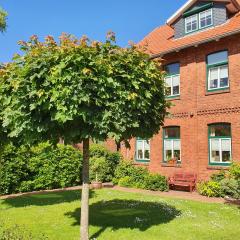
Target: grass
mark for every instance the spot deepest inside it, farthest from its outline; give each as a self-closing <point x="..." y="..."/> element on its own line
<point x="118" y="215"/>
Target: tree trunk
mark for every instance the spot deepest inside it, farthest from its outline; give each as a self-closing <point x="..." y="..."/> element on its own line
<point x="85" y="192"/>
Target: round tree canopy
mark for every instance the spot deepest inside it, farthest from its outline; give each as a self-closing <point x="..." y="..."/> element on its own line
<point x="78" y="89"/>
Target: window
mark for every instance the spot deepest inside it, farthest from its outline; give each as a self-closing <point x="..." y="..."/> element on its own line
<point x="171" y="144"/>
<point x="191" y="23"/>
<point x="199" y="21"/>
<point x="142" y="150"/>
<point x="205" y="18"/>
<point x="220" y="142"/>
<point x="172" y="80"/>
<point x="217" y="67"/>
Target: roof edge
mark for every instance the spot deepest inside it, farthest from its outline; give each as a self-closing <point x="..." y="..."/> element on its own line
<point x="180" y="10"/>
<point x="196" y="43"/>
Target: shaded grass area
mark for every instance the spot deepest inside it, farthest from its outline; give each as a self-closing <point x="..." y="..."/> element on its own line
<point x="119" y="215"/>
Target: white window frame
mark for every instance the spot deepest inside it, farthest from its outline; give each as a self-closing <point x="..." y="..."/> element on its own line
<point x="218" y="80"/>
<point x="172" y="148"/>
<point x="143" y="149"/>
<point x="171" y="77"/>
<point x="220" y="149"/>
<point x="199" y="19"/>
<point x="190" y="17"/>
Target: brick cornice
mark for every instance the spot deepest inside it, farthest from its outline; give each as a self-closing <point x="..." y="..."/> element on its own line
<point x="223" y="110"/>
<point x="203" y="112"/>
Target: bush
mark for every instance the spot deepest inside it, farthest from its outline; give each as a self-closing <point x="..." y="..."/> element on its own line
<point x="127" y="175"/>
<point x="99" y="169"/>
<point x="103" y="161"/>
<point x="210" y="189"/>
<point x="126" y="181"/>
<point x="156" y="182"/>
<point x="48" y="166"/>
<point x="40" y="167"/>
<point x="217" y="177"/>
<point x="235" y="171"/>
<point x="231" y="187"/>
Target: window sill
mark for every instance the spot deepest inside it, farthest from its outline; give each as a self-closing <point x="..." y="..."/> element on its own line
<point x="176" y="165"/>
<point x="218" y="91"/>
<point x="141" y="162"/>
<point x="173" y="98"/>
<point x="218" y="167"/>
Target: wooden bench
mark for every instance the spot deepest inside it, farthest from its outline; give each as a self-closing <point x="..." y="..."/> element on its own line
<point x="184" y="180"/>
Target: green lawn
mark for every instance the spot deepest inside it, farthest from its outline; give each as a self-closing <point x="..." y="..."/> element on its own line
<point x="121" y="216"/>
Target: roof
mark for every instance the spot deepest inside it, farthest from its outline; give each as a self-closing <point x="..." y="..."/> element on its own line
<point x="232" y="5"/>
<point x="161" y="40"/>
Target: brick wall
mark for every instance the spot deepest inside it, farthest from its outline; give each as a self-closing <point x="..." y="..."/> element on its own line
<point x="196" y="109"/>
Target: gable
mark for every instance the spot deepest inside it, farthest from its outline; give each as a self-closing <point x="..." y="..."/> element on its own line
<point x="232" y="6"/>
<point x="219" y="16"/>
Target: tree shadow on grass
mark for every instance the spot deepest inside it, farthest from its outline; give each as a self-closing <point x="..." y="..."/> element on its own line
<point x="44" y="199"/>
<point x="129" y="214"/>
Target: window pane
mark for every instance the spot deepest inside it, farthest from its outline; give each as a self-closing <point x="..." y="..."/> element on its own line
<point x="177" y="149"/>
<point x="226" y="150"/>
<point x="168" y="81"/>
<point x="176" y="144"/>
<point x="139" y="144"/>
<point x="139" y="149"/>
<point x="168" y="155"/>
<point x="215" y="150"/>
<point x="217" y="57"/>
<point x="146" y="154"/>
<point x="167" y="144"/>
<point x="213" y="77"/>
<point x="209" y="20"/>
<point x="173" y="69"/>
<point x="194" y="25"/>
<point x="140" y="154"/>
<point x="215" y="156"/>
<point x="206" y="18"/>
<point x="220" y="130"/>
<point x="226" y="156"/>
<point x="146" y="149"/>
<point x="172" y="132"/>
<point x="177" y="154"/>
<point x="226" y="145"/>
<point x="175" y="83"/>
<point x="215" y="144"/>
<point x="224" y="76"/>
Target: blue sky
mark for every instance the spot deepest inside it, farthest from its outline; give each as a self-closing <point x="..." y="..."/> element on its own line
<point x="129" y="19"/>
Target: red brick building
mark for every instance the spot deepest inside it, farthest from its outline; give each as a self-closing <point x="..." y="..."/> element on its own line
<point x="200" y="46"/>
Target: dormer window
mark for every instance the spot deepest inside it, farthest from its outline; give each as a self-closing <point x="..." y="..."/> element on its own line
<point x="199" y="21"/>
<point x="205" y="18"/>
<point x="191" y="23"/>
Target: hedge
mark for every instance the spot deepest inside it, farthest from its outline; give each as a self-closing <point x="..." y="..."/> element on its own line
<point x="127" y="175"/>
<point x="47" y="166"/>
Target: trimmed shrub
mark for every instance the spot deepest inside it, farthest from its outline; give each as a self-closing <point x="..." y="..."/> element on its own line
<point x="48" y="166"/>
<point x="156" y="182"/>
<point x="40" y="167"/>
<point x="127" y="175"/>
<point x="210" y="189"/>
